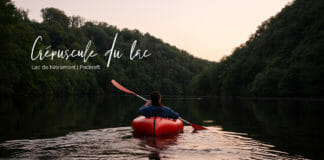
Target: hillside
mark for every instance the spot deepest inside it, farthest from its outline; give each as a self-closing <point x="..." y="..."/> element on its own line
<point x="284" y="57"/>
<point x="167" y="69"/>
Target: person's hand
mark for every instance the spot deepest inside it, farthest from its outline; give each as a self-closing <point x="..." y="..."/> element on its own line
<point x="148" y="103"/>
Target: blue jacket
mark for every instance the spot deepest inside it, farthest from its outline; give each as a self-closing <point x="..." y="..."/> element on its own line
<point x="151" y="111"/>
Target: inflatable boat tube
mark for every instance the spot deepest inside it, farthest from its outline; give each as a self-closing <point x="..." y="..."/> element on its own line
<point x="156" y="126"/>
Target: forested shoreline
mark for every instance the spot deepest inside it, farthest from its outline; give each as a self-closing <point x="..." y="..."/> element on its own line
<point x="283" y="58"/>
<point x="167" y="69"/>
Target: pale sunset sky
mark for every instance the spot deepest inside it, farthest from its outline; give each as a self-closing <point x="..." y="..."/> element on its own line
<point x="208" y="29"/>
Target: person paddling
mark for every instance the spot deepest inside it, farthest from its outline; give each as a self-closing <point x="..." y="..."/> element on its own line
<point x="154" y="107"/>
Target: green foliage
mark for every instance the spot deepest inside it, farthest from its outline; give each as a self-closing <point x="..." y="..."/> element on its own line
<point x="15" y="37"/>
<point x="266" y="83"/>
<point x="168" y="69"/>
<point x="284" y="57"/>
<point x="53" y="15"/>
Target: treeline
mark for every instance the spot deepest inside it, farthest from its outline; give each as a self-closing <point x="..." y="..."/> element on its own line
<point x="284" y="57"/>
<point x="168" y="69"/>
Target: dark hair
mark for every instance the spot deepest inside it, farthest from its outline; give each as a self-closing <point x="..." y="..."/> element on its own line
<point x="155" y="97"/>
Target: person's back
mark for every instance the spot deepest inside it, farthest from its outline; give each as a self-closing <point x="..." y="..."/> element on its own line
<point x="155" y="108"/>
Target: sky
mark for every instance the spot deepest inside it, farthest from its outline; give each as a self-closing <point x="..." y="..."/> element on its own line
<point x="208" y="29"/>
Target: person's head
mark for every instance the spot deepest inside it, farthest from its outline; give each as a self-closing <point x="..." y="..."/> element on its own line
<point x="156" y="98"/>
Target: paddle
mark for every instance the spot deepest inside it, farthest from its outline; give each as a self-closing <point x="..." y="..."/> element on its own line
<point x="122" y="88"/>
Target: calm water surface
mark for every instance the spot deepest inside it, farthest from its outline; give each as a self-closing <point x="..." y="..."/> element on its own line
<point x="98" y="128"/>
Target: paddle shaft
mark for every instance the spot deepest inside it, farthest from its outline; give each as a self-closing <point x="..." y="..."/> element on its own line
<point x="141" y="97"/>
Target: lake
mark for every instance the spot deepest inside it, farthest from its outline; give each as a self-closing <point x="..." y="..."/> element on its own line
<point x="98" y="127"/>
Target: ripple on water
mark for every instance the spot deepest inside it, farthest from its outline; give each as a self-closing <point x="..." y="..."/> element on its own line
<point x="119" y="143"/>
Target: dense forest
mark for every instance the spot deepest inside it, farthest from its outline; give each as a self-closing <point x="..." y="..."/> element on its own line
<point x="167" y="69"/>
<point x="283" y="58"/>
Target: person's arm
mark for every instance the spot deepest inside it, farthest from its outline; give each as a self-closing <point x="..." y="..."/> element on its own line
<point x="148" y="103"/>
<point x="172" y="114"/>
<point x="143" y="110"/>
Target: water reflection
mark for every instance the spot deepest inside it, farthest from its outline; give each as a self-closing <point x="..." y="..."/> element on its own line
<point x="237" y="128"/>
<point x="156" y="144"/>
<point x="43" y="117"/>
<point x="118" y="143"/>
<point x="292" y="126"/>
